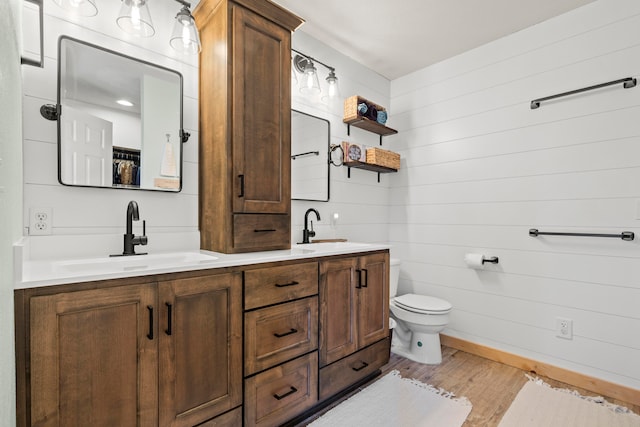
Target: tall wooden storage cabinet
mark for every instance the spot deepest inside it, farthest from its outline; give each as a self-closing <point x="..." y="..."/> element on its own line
<point x="245" y="125"/>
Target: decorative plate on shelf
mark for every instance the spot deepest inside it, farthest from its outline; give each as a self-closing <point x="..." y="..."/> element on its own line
<point x="354" y="152"/>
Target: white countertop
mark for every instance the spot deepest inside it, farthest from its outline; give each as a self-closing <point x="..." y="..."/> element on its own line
<point x="41" y="273"/>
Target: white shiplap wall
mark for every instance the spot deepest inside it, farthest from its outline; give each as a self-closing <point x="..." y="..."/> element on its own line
<point x="172" y="219"/>
<point x="480" y="168"/>
<point x="360" y="201"/>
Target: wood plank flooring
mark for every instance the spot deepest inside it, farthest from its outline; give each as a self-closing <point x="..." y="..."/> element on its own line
<point x="489" y="385"/>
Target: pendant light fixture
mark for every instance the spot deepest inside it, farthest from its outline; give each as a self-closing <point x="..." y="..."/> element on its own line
<point x="309" y="81"/>
<point x="135" y="19"/>
<point x="79" y="7"/>
<point x="184" y="37"/>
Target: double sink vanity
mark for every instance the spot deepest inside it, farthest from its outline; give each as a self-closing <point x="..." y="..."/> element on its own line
<point x="199" y="338"/>
<point x="250" y="330"/>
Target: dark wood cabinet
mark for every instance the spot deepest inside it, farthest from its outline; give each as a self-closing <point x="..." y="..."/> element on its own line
<point x="180" y="350"/>
<point x="93" y="358"/>
<point x="245" y="125"/>
<point x="200" y="348"/>
<point x="354" y="320"/>
<point x="165" y="353"/>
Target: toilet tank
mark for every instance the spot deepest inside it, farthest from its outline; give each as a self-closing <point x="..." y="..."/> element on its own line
<point x="394" y="275"/>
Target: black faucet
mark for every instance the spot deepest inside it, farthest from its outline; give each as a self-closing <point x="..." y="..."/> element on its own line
<point x="131" y="240"/>
<point x="306" y="233"/>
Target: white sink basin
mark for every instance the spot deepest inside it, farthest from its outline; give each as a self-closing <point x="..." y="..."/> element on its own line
<point x="132" y="263"/>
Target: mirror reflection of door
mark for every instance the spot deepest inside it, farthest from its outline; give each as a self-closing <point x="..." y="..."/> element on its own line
<point x="86" y="158"/>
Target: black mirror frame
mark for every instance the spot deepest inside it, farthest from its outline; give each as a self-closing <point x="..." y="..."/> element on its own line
<point x="54" y="112"/>
<point x="328" y="158"/>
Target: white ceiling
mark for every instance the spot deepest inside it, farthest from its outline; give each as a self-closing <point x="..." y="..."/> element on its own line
<point x="395" y="38"/>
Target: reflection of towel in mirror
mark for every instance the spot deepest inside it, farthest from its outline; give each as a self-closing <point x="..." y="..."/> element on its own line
<point x="168" y="166"/>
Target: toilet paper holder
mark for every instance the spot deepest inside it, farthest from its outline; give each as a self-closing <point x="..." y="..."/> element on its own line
<point x="492" y="260"/>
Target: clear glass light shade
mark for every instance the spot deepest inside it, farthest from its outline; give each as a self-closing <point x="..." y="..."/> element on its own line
<point x="309" y="82"/>
<point x="79" y="7"/>
<point x="184" y="37"/>
<point x="333" y="90"/>
<point x="134" y="18"/>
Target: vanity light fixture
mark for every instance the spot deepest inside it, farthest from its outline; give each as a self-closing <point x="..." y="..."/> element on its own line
<point x="135" y="19"/>
<point x="79" y="7"/>
<point x="184" y="37"/>
<point x="309" y="83"/>
<point x="332" y="83"/>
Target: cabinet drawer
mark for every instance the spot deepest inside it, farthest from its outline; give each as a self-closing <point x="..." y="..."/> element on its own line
<point x="351" y="369"/>
<point x="279" y="394"/>
<point x="275" y="334"/>
<point x="264" y="232"/>
<point x="266" y="286"/>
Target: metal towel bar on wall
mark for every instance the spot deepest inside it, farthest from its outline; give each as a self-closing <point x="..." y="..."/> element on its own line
<point x="627" y="82"/>
<point x="625" y="235"/>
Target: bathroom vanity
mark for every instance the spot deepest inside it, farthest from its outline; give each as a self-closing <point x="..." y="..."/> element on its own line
<point x="253" y="339"/>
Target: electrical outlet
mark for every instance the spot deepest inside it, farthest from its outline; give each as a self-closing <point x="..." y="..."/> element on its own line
<point x="40" y="221"/>
<point x="564" y="328"/>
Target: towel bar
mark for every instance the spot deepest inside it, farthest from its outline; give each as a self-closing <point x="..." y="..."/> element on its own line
<point x="625" y="235"/>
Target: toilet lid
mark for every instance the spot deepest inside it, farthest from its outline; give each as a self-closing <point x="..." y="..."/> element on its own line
<point x="423" y="303"/>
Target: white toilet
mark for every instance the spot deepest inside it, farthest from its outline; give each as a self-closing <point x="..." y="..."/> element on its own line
<point x="420" y="319"/>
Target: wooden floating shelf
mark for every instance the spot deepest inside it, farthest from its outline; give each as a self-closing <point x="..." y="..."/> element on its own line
<point x="369" y="167"/>
<point x="371" y="126"/>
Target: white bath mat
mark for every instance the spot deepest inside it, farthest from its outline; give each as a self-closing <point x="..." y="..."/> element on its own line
<point x="396" y="401"/>
<point x="540" y="405"/>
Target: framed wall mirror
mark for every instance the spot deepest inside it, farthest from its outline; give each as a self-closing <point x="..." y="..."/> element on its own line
<point x="119" y="120"/>
<point x="310" y="138"/>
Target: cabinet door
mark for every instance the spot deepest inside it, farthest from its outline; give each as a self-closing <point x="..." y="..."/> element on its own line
<point x="373" y="299"/>
<point x="261" y="114"/>
<point x="338" y="335"/>
<point x="93" y="358"/>
<point x="200" y="348"/>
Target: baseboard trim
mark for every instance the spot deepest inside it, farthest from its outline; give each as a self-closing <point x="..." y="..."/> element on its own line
<point x="596" y="385"/>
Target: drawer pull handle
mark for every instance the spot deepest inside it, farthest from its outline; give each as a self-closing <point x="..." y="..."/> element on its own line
<point x="150" y="334"/>
<point x="278" y="285"/>
<point x="359" y="285"/>
<point x="292" y="331"/>
<point x="282" y="396"/>
<point x="366" y="277"/>
<point x="360" y="368"/>
<point x="264" y="230"/>
<point x="169" y="309"/>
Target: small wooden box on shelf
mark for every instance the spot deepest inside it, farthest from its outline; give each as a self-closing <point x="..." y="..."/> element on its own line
<point x="353" y="118"/>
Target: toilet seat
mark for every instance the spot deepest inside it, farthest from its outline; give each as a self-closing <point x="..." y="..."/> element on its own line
<point x="422" y="304"/>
